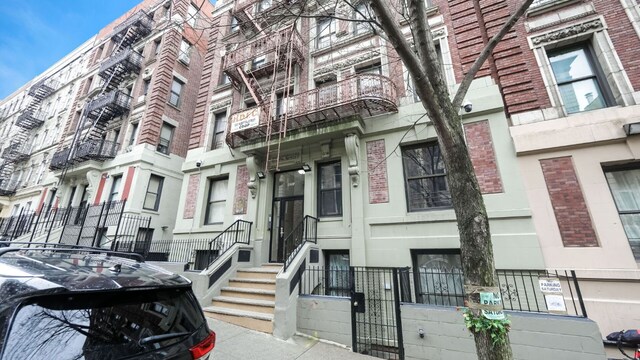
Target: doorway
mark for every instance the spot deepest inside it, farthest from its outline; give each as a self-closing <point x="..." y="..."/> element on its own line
<point x="287" y="211"/>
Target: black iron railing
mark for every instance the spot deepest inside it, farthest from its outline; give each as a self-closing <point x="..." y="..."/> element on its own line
<point x="93" y="149"/>
<point x="43" y="88"/>
<point x="31" y="119"/>
<point x="521" y="290"/>
<point x="141" y="21"/>
<point x="115" y="103"/>
<point x="305" y="231"/>
<point x="59" y="159"/>
<point x="7" y="187"/>
<point x="17" y="151"/>
<point x="129" y="59"/>
<point x="238" y="233"/>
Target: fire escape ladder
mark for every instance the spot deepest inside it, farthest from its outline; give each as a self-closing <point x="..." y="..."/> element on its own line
<point x="252" y="86"/>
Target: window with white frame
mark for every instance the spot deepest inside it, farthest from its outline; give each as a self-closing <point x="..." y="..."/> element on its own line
<point x="330" y="189"/>
<point x="624" y="183"/>
<point x="154" y="191"/>
<point x="166" y="135"/>
<point x="362" y="14"/>
<point x="216" y="201"/>
<point x="176" y="90"/>
<point x="326" y="32"/>
<point x="133" y="133"/>
<point x="219" y="129"/>
<point x="192" y="15"/>
<point x="115" y="188"/>
<point x="235" y="26"/>
<point x="579" y="80"/>
<point x="185" y="52"/>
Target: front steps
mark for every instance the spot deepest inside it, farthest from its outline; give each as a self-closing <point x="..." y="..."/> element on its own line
<point x="249" y="299"/>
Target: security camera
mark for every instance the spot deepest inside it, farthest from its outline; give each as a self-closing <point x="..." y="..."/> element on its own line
<point x="199" y="163"/>
<point x="467" y="106"/>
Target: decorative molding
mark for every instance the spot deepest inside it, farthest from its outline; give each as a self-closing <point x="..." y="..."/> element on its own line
<point x="325" y="149"/>
<point x="570" y="31"/>
<point x="352" y="144"/>
<point x="93" y="178"/>
<point x="254" y="182"/>
<point x="219" y="105"/>
<point x="575" y="17"/>
<point x="344" y="64"/>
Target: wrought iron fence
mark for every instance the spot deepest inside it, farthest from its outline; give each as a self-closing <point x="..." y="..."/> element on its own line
<point x="305" y="231"/>
<point x="521" y="290"/>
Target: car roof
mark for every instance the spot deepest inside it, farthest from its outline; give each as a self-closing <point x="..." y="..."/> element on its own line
<point x="30" y="271"/>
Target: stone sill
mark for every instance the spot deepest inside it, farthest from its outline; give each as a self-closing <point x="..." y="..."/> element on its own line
<point x="552" y="6"/>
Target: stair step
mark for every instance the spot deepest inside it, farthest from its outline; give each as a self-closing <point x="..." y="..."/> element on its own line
<point x="252" y="305"/>
<point x="249" y="319"/>
<point x="267" y="284"/>
<point x="269" y="270"/>
<point x="278" y="265"/>
<point x="257" y="273"/>
<point x="248" y="293"/>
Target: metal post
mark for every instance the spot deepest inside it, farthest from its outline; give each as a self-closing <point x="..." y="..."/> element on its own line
<point x="51" y="225"/>
<point x="579" y="293"/>
<point x="95" y="233"/>
<point x="15" y="228"/>
<point x="84" y="218"/>
<point x="354" y="328"/>
<point x="33" y="232"/>
<point x="396" y="295"/>
<point x="124" y="202"/>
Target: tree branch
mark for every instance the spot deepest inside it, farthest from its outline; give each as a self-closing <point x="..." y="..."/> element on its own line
<point x="484" y="54"/>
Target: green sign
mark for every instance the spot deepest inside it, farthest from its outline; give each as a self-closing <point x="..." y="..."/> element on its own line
<point x="492" y="299"/>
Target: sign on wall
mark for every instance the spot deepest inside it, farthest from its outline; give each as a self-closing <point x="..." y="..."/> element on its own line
<point x="245" y="120"/>
<point x="552" y="290"/>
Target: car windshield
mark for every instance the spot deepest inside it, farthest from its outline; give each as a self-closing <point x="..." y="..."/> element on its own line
<point x="102" y="326"/>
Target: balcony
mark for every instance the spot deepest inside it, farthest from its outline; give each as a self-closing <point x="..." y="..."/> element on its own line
<point x="31" y="119"/>
<point x="92" y="149"/>
<point x="16" y="152"/>
<point x="362" y="95"/>
<point x="263" y="47"/>
<point x="8" y="188"/>
<point x="59" y="159"/>
<point x="43" y="88"/>
<point x="109" y="105"/>
<point x="140" y="24"/>
<point x="123" y="62"/>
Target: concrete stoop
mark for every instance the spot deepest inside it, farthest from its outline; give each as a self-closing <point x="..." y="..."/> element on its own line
<point x="249" y="299"/>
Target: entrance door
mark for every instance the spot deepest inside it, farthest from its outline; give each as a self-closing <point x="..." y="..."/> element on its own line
<point x="288" y="211"/>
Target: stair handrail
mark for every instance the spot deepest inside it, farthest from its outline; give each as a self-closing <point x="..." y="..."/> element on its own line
<point x="229" y="237"/>
<point x="308" y="231"/>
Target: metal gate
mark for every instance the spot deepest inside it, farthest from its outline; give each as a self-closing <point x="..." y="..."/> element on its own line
<point x="376" y="326"/>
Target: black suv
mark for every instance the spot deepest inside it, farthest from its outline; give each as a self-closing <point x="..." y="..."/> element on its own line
<point x="67" y="302"/>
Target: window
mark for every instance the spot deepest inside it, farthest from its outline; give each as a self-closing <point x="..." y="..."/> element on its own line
<point x="145" y="86"/>
<point x="579" y="81"/>
<point x="258" y="62"/>
<point x="264" y="5"/>
<point x="224" y="79"/>
<point x="439" y="277"/>
<point x="115" y="188"/>
<point x="192" y="15"/>
<point x="154" y="190"/>
<point x="216" y="202"/>
<point x="625" y="188"/>
<point x="235" y="26"/>
<point x="337" y="273"/>
<point x="176" y="89"/>
<point x="133" y="134"/>
<point x="326" y="33"/>
<point x="185" y="52"/>
<point x="219" y="128"/>
<point x="166" y="135"/>
<point x="330" y="189"/>
<point x="327" y="92"/>
<point x="156" y="48"/>
<point x="362" y="14"/>
<point x="369" y="85"/>
<point x="425" y="177"/>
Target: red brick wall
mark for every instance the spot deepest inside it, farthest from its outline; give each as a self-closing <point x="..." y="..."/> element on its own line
<point x="377" y="170"/>
<point x="241" y="191"/>
<point x="483" y="157"/>
<point x="568" y="203"/>
<point x="192" y="196"/>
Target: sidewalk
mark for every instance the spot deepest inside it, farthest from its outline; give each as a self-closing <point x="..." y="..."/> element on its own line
<point x="237" y="343"/>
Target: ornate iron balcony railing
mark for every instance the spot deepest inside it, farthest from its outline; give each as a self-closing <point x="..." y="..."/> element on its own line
<point x="43" y="88"/>
<point x="30" y="119"/>
<point x="363" y="94"/>
<point x="140" y="20"/>
<point x="114" y="103"/>
<point x="129" y="59"/>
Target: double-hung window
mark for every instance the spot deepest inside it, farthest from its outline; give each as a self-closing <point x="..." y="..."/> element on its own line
<point x="216" y="201"/>
<point x="176" y="90"/>
<point x="579" y="80"/>
<point x="624" y="183"/>
<point x="425" y="177"/>
<point x="154" y="191"/>
<point x="185" y="52"/>
<point x="330" y="189"/>
<point x="115" y="188"/>
<point x="166" y="135"/>
<point x="219" y="129"/>
<point x="326" y="32"/>
<point x="362" y="14"/>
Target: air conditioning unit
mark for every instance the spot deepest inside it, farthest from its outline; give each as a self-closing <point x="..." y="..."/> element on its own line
<point x="184" y="57"/>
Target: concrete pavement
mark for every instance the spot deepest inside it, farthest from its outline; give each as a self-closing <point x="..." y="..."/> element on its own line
<point x="237" y="343"/>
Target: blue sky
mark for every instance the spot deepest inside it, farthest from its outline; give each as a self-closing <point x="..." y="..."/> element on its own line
<point x="34" y="34"/>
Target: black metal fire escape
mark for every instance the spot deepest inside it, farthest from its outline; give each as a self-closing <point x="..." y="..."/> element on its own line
<point x="89" y="139"/>
<point x="19" y="147"/>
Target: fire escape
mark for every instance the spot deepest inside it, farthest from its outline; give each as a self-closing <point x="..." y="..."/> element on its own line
<point x="89" y="141"/>
<point x="19" y="147"/>
<point x="278" y="48"/>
